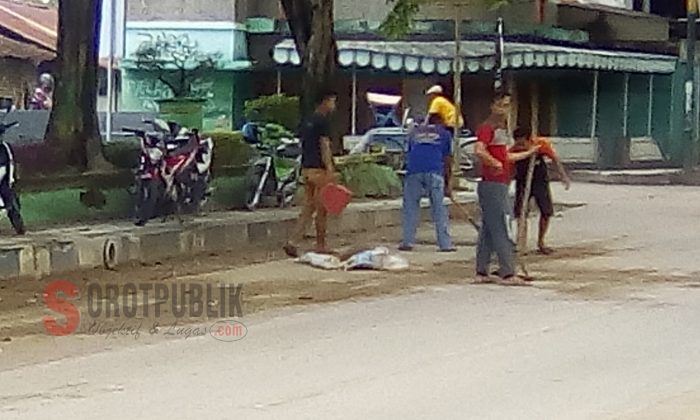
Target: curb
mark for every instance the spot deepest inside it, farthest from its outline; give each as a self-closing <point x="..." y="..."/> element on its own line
<point x="61" y="250"/>
<point x="648" y="178"/>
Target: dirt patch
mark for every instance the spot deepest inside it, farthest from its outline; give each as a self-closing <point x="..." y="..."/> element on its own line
<point x="551" y="272"/>
<point x="22" y="309"/>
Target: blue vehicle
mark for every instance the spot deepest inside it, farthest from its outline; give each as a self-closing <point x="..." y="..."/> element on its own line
<point x="391" y="134"/>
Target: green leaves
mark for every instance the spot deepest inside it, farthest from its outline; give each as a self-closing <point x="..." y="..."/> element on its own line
<point x="280" y="109"/>
<point x="399" y="22"/>
<point x="367" y="179"/>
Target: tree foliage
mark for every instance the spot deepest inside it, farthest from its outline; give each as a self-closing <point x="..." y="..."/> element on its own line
<point x="400" y="20"/>
<point x="280" y="109"/>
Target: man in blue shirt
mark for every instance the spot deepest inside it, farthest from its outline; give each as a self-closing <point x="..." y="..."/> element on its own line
<point x="428" y="170"/>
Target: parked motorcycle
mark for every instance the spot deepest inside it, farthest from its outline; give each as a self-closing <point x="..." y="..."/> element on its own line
<point x="269" y="177"/>
<point x="9" y="200"/>
<point x="174" y="171"/>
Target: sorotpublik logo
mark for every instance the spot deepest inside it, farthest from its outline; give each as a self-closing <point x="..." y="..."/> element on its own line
<point x="131" y="300"/>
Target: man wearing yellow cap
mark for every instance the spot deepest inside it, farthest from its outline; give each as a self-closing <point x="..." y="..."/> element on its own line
<point x="440" y="105"/>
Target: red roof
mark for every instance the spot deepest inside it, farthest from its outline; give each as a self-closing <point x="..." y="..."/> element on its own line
<point x="36" y="24"/>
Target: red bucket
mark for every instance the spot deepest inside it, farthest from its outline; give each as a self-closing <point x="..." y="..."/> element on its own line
<point x="335" y="198"/>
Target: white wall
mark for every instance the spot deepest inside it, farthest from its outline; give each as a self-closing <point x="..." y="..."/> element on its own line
<point x="106" y="31"/>
<point x="625" y="4"/>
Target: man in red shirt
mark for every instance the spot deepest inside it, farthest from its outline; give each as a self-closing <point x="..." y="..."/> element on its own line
<point x="496" y="161"/>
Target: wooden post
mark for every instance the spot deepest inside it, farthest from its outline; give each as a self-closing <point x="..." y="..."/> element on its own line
<point x="279" y="82"/>
<point x="354" y="102"/>
<point x="513" y="92"/>
<point x="525" y="208"/>
<point x="457" y="82"/>
<point x="534" y="109"/>
<point x="594" y="117"/>
<point x="650" y="115"/>
<point x="626" y="106"/>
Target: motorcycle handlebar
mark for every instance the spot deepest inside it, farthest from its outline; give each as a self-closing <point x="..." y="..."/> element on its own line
<point x="5" y="127"/>
<point x="136" y="131"/>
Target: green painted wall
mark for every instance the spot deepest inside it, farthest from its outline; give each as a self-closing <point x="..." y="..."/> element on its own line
<point x="244" y="89"/>
<point x="661" y="116"/>
<point x="679" y="143"/>
<point x="610" y="118"/>
<point x="574" y="98"/>
<point x="141" y="90"/>
<point x="638" y="118"/>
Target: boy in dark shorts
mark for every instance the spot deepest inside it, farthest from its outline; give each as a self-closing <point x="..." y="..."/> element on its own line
<point x="318" y="170"/>
<point x="540" y="181"/>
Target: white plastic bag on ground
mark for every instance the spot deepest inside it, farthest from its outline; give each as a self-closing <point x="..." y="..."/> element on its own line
<point x="327" y="262"/>
<point x="393" y="262"/>
<point x="376" y="259"/>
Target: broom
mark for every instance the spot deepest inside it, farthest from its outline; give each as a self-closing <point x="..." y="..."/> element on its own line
<point x="522" y="219"/>
<point x="465" y="213"/>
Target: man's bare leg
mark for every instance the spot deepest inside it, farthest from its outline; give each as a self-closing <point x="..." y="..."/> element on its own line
<point x="544" y="226"/>
<point x="305" y="218"/>
<point x="321" y="227"/>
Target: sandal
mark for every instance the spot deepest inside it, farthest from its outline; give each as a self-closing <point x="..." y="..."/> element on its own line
<point x="514" y="281"/>
<point x="483" y="279"/>
<point x="291" y="250"/>
<point x="545" y="250"/>
<point x="452" y="249"/>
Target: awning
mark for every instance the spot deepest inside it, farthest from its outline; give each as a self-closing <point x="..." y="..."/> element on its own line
<point x="437" y="57"/>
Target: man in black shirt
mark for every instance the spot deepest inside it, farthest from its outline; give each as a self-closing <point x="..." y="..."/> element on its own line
<point x="317" y="171"/>
<point x="539" y="189"/>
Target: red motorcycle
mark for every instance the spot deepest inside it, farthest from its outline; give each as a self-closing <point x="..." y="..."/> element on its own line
<point x="174" y="171"/>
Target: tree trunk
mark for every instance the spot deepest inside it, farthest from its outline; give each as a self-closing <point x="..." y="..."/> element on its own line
<point x="73" y="132"/>
<point x="311" y="23"/>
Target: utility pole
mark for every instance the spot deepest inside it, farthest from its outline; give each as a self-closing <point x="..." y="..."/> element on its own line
<point x="691" y="109"/>
<point x="457" y="83"/>
<point x="498" y="84"/>
<point x="110" y="68"/>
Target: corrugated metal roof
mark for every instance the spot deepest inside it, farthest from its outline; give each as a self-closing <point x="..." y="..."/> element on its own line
<point x="22" y="50"/>
<point x="437" y="57"/>
<point x="38" y="25"/>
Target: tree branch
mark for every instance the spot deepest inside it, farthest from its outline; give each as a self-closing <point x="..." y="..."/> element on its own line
<point x="299" y="14"/>
<point x="400" y="20"/>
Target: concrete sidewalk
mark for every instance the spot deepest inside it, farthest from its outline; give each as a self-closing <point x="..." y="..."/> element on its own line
<point x="73" y="248"/>
<point x="636" y="177"/>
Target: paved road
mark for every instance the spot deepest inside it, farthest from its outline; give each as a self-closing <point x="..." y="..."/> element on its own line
<point x="447" y="352"/>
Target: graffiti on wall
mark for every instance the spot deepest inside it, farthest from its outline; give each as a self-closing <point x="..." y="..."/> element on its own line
<point x="146" y="91"/>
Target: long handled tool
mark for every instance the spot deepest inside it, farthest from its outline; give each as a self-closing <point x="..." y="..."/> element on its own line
<point x="465" y="213"/>
<point x="522" y="219"/>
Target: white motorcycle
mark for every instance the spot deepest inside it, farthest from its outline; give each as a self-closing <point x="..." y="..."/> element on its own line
<point x="9" y="200"/>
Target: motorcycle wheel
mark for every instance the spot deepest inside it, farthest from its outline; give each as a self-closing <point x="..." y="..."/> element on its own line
<point x="146" y="201"/>
<point x="252" y="184"/>
<point x="198" y="195"/>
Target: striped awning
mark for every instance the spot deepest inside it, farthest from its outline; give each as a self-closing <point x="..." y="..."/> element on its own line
<point x="437" y="57"/>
